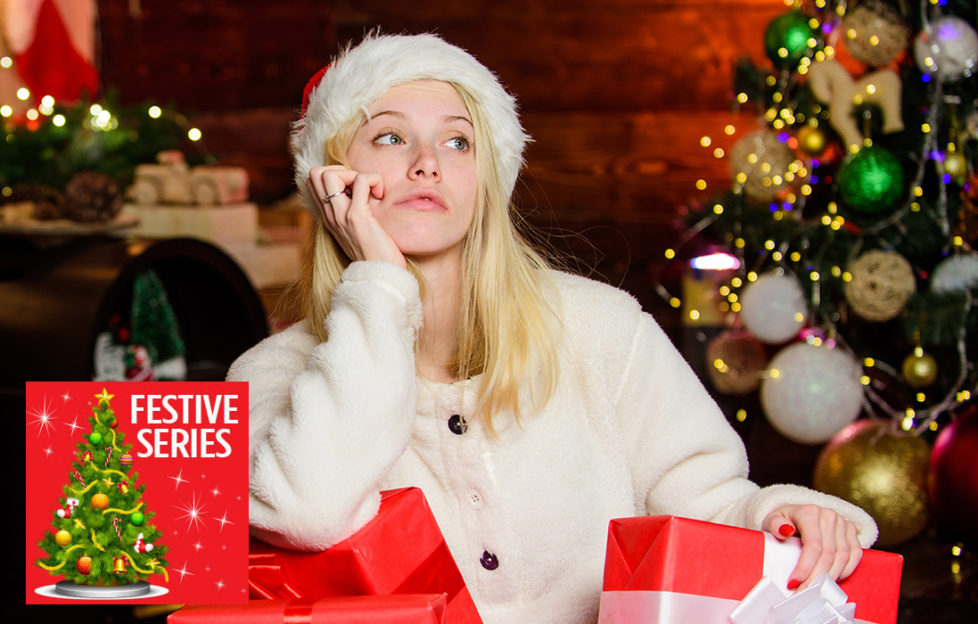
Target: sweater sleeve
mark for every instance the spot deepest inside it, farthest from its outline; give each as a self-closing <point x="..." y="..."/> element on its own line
<point x="328" y="420"/>
<point x="686" y="459"/>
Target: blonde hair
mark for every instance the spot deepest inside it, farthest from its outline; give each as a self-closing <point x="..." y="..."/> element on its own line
<point x="507" y="331"/>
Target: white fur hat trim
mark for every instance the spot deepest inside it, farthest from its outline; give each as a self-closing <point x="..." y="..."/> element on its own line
<point x="361" y="74"/>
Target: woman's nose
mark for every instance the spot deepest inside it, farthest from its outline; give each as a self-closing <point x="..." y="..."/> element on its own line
<point x="425" y="164"/>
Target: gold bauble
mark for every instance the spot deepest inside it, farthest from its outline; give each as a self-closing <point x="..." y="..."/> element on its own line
<point x="100" y="501"/>
<point x="62" y="538"/>
<point x="812" y="140"/>
<point x="735" y="361"/>
<point x="920" y="369"/>
<point x="956" y="165"/>
<point x="884" y="473"/>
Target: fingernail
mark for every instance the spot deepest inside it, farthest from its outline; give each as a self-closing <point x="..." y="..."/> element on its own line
<point x="786" y="530"/>
<point x="793" y="583"/>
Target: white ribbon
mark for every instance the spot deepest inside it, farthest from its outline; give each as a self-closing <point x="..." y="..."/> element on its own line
<point x="822" y="602"/>
<point x="768" y="602"/>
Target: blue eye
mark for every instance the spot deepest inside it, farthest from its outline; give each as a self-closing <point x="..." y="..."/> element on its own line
<point x="389" y="138"/>
<point x="459" y="143"/>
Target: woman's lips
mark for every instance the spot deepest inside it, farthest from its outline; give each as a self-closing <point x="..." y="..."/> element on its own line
<point x="422" y="199"/>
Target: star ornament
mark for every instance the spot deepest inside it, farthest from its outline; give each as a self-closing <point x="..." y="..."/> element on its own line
<point x="105" y="396"/>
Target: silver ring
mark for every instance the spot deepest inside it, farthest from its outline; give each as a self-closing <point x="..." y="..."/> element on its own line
<point x="327" y="198"/>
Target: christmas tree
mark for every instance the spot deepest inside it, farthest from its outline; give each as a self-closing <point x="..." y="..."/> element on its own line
<point x="851" y="215"/>
<point x="102" y="534"/>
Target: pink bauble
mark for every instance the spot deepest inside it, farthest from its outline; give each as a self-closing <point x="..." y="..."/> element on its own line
<point x="953" y="478"/>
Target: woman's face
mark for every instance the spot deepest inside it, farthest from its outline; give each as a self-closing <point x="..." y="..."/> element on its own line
<point x="421" y="141"/>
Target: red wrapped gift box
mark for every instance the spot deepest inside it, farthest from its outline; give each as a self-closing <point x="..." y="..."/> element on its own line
<point x="400" y="609"/>
<point x="668" y="569"/>
<point x="400" y="551"/>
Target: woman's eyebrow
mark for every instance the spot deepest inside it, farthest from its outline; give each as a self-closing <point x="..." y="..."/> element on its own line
<point x="401" y="115"/>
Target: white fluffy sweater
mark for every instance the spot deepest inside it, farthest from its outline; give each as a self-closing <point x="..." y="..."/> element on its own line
<point x="629" y="431"/>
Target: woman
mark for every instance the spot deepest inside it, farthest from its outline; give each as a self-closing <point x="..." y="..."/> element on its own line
<point x="439" y="351"/>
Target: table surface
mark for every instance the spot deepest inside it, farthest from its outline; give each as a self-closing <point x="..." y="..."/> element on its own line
<point x="939" y="586"/>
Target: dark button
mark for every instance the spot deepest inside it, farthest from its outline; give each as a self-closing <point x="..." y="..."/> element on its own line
<point x="489" y="560"/>
<point x="457" y="424"/>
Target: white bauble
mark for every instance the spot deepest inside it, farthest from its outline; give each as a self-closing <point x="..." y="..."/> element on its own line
<point x="773" y="308"/>
<point x="811" y="392"/>
<point x="948" y="48"/>
<point x="957" y="273"/>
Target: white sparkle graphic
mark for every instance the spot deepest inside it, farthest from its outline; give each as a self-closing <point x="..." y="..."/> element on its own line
<point x="198" y="546"/>
<point x="216" y="492"/>
<point x="224" y="520"/>
<point x="179" y="479"/>
<point x="66" y="397"/>
<point x="43" y="418"/>
<point x="48" y="451"/>
<point x="220" y="584"/>
<point x="74" y="425"/>
<point x="194" y="513"/>
<point x="183" y="571"/>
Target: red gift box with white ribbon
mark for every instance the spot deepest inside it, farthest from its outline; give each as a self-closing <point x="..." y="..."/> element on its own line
<point x="666" y="570"/>
<point x="396" y="609"/>
<point x="400" y="551"/>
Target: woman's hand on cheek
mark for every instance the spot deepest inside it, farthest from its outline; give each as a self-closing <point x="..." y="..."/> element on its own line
<point x="829" y="542"/>
<point x="343" y="197"/>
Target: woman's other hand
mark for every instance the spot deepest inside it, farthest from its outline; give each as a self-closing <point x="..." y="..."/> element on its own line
<point x="829" y="542"/>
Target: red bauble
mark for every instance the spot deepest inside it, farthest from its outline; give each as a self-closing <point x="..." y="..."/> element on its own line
<point x="84" y="564"/>
<point x="953" y="479"/>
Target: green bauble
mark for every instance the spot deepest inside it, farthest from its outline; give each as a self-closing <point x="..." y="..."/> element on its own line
<point x="787" y="39"/>
<point x="871" y="180"/>
<point x="96" y="438"/>
<point x="137" y="518"/>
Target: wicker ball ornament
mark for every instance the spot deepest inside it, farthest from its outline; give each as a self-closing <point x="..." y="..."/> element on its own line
<point x="92" y="197"/>
<point x="735" y="361"/>
<point x="875" y="32"/>
<point x="760" y="165"/>
<point x="773" y="308"/>
<point x="811" y="392"/>
<point x="884" y="473"/>
<point x="882" y="283"/>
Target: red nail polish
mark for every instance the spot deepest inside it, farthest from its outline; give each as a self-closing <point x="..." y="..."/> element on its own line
<point x="793" y="583"/>
<point x="786" y="530"/>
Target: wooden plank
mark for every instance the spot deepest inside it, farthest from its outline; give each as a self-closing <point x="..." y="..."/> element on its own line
<point x="205" y="56"/>
<point x="588" y="55"/>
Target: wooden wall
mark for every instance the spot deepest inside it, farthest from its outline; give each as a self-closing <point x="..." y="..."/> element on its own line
<point x="616" y="94"/>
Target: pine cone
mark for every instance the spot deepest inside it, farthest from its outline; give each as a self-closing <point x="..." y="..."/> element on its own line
<point x="46" y="200"/>
<point x="92" y="197"/>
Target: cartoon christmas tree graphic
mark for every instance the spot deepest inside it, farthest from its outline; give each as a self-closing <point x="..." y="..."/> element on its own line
<point x="101" y="539"/>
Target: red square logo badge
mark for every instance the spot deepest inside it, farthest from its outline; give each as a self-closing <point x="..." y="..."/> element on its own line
<point x="137" y="492"/>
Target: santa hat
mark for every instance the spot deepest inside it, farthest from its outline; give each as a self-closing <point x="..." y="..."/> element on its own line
<point x="359" y="75"/>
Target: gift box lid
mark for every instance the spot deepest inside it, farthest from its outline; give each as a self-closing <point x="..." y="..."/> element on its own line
<point x="673" y="554"/>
